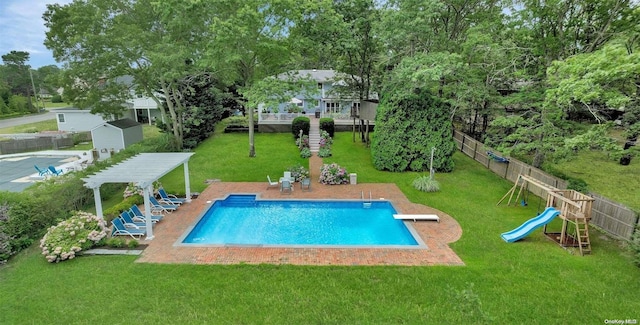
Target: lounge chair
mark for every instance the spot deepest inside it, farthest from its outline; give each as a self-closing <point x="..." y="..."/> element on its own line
<point x="170" y="197"/>
<point x="55" y="171"/>
<point x="137" y="214"/>
<point x="120" y="230"/>
<point x="42" y="172"/>
<point x="128" y="221"/>
<point x="161" y="206"/>
<point x="285" y="186"/>
<point x="271" y="183"/>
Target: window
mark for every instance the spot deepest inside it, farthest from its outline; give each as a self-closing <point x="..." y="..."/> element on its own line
<point x="332" y="107"/>
<point x="61" y="117"/>
<point x="319" y="85"/>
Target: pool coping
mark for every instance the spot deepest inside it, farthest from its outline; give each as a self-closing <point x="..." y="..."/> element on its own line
<point x="179" y="242"/>
<point x="436" y="236"/>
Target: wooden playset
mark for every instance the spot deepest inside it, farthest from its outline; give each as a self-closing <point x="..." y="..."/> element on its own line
<point x="574" y="207"/>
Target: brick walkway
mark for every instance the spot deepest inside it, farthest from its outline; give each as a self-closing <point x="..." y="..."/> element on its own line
<point x="437" y="236"/>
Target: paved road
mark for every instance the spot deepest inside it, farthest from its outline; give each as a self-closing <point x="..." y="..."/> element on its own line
<point x="27" y="119"/>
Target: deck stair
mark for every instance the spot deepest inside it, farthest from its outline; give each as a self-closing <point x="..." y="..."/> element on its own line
<point x="240" y="201"/>
<point x="314" y="134"/>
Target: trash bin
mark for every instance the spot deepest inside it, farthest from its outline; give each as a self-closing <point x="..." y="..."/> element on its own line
<point x="353" y="178"/>
<point x="317" y="114"/>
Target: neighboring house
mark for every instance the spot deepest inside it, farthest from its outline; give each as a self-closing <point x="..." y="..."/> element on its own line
<point x="111" y="137"/>
<point x="72" y="119"/>
<point x="329" y="102"/>
<point x="141" y="108"/>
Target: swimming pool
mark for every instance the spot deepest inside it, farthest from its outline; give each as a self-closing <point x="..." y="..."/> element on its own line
<point x="244" y="220"/>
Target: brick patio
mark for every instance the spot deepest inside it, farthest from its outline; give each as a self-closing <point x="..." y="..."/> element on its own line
<point x="437" y="236"/>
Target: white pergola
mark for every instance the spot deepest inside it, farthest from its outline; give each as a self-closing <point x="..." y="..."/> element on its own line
<point x="142" y="169"/>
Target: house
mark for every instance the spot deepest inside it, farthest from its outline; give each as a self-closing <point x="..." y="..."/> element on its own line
<point x="139" y="108"/>
<point x="113" y="136"/>
<point x="71" y="119"/>
<point x="331" y="101"/>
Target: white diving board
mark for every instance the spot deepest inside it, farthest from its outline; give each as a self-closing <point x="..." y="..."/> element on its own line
<point x="416" y="217"/>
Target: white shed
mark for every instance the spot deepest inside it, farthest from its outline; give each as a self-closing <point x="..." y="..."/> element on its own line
<point x="114" y="136"/>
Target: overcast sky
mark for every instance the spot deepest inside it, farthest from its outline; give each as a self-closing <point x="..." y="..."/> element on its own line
<point x="22" y="29"/>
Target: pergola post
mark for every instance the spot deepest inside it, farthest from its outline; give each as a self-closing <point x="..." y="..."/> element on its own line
<point x="98" y="201"/>
<point x="187" y="186"/>
<point x="147" y="190"/>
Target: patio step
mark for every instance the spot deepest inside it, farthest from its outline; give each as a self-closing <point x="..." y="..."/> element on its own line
<point x="314" y="135"/>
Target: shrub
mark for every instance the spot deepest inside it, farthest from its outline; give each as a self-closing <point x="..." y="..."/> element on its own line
<point x="133" y="243"/>
<point x="116" y="242"/>
<point x="426" y="184"/>
<point x="305" y="153"/>
<point x="327" y="124"/>
<point x="298" y="172"/>
<point x="113" y="212"/>
<point x="5" y="240"/>
<point x="302" y="142"/>
<point x="325" y="144"/>
<point x="408" y="124"/>
<point x="632" y="132"/>
<point x="56" y="99"/>
<point x="635" y="246"/>
<point x="300" y="123"/>
<point x="333" y="174"/>
<point x="80" y="232"/>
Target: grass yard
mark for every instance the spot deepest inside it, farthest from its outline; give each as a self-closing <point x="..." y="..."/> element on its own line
<point x="606" y="177"/>
<point x="530" y="282"/>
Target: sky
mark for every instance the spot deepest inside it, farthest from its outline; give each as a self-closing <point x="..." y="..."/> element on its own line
<point x="22" y="29"/>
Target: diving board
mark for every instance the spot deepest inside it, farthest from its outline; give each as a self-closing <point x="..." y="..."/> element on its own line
<point x="416" y="217"/>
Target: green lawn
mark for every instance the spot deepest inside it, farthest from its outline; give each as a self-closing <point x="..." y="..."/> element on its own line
<point x="606" y="177"/>
<point x="529" y="282"/>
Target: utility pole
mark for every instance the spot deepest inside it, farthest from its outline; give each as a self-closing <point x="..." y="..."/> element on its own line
<point x="35" y="94"/>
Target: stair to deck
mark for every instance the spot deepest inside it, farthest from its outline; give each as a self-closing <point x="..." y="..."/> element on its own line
<point x="240" y="201"/>
<point x="314" y="135"/>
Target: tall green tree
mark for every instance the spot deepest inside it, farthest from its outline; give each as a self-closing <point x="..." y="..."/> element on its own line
<point x="155" y="43"/>
<point x="17" y="75"/>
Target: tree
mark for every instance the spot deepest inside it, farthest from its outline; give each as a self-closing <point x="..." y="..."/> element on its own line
<point x="251" y="43"/>
<point x="155" y="43"/>
<point x="409" y="123"/>
<point x="17" y="74"/>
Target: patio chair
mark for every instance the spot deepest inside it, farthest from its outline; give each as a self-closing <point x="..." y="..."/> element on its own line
<point x="42" y="172"/>
<point x="120" y="230"/>
<point x="138" y="215"/>
<point x="128" y="221"/>
<point x="170" y="197"/>
<point x="285" y="186"/>
<point x="271" y="183"/>
<point x="161" y="205"/>
<point x="55" y="171"/>
<point x="287" y="176"/>
<point x="305" y="184"/>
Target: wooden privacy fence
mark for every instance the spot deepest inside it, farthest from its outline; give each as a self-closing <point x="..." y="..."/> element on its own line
<point x="613" y="217"/>
<point x="41" y="142"/>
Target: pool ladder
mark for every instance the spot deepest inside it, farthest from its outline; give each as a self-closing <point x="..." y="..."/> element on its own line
<point x="365" y="204"/>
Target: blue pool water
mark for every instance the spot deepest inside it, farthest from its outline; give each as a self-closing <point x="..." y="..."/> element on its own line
<point x="243" y="220"/>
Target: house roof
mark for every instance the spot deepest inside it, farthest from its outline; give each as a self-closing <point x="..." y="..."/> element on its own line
<point x="124" y="123"/>
<point x="317" y="75"/>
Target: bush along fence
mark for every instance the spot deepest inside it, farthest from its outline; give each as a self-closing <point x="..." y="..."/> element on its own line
<point x="612" y="217"/>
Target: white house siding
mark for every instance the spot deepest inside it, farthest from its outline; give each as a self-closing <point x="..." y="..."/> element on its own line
<point x="107" y="139"/>
<point x="75" y="120"/>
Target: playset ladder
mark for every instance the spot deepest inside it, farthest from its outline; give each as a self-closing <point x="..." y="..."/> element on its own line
<point x="582" y="234"/>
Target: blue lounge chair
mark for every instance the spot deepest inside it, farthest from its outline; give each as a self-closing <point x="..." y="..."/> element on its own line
<point x="42" y="172"/>
<point x="162" y="206"/>
<point x="128" y="221"/>
<point x="120" y="230"/>
<point x="170" y="197"/>
<point x="137" y="214"/>
<point x="55" y="171"/>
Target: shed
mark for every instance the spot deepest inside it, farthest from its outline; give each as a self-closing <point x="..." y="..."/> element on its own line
<point x="114" y="136"/>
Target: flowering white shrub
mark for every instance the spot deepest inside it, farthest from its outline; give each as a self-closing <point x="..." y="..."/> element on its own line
<point x="333" y="174"/>
<point x="325" y="144"/>
<point x="133" y="189"/>
<point x="80" y="232"/>
<point x="298" y="172"/>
